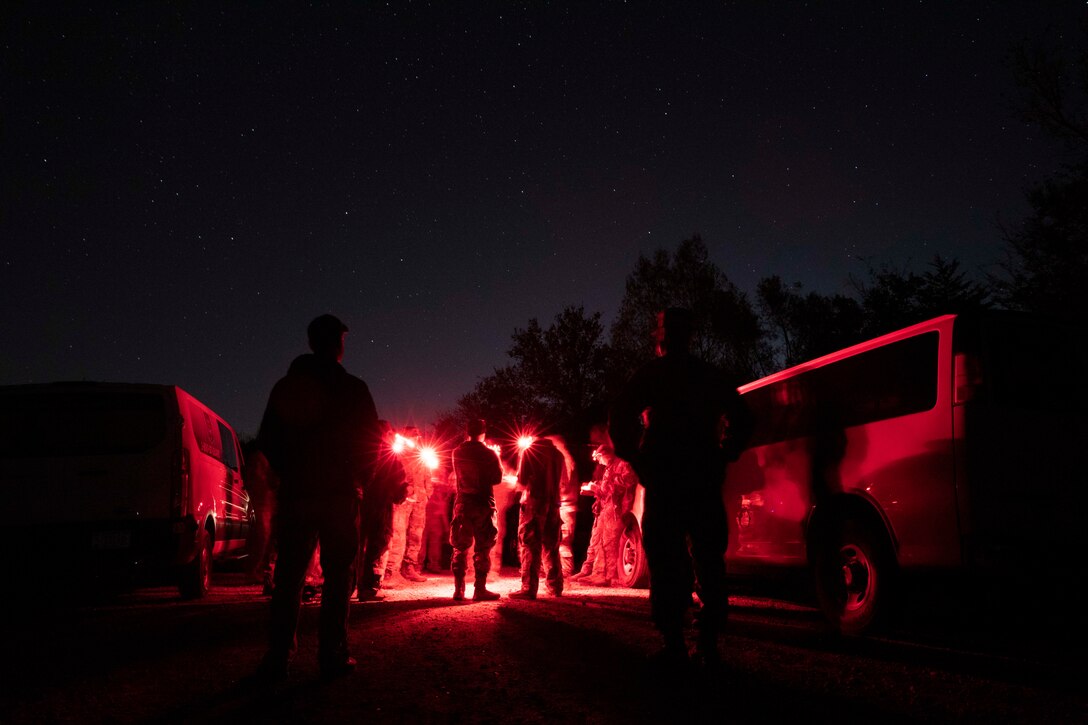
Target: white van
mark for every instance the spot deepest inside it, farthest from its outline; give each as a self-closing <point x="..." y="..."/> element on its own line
<point x="109" y="479"/>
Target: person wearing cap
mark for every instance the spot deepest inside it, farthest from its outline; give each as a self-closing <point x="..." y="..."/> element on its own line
<point x="477" y="470"/>
<point x="320" y="435"/>
<point x="668" y="422"/>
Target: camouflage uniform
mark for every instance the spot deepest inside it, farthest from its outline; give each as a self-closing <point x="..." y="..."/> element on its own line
<point x="477" y="470"/>
<point x="388" y="488"/>
<point x="436" y="535"/>
<point x="568" y="510"/>
<point x="539" y="524"/>
<point x="409" y="519"/>
<point x="614" y="499"/>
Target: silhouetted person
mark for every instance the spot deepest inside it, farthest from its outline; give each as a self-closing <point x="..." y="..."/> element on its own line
<point x="668" y="423"/>
<point x="477" y="470"/>
<point x="540" y="472"/>
<point x="319" y="433"/>
<point x="388" y="488"/>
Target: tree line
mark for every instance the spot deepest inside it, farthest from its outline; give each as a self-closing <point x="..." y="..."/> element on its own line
<point x="564" y="374"/>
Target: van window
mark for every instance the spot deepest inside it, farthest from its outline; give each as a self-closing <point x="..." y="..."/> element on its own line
<point x="885" y="382"/>
<point x="227" y="448"/>
<point x="207" y="435"/>
<point x="83" y="423"/>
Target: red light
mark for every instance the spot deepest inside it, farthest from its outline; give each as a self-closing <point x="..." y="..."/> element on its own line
<point x="429" y="457"/>
<point x="525" y="442"/>
<point x="400" y="443"/>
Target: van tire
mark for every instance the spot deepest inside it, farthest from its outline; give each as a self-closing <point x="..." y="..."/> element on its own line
<point x="632" y="570"/>
<point x="856" y="577"/>
<point x="196" y="576"/>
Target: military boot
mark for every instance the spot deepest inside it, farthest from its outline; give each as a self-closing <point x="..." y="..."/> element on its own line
<point x="411" y="573"/>
<point x="481" y="594"/>
<point x="458" y="588"/>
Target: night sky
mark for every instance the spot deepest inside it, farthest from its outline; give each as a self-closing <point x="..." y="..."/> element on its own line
<point x="185" y="188"/>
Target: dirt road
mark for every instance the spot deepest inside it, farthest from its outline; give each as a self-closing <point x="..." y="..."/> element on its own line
<point x="149" y="657"/>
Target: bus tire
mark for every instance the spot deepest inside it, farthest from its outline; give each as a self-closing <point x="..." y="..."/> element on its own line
<point x="196" y="576"/>
<point x="856" y="577"/>
<point x="632" y="571"/>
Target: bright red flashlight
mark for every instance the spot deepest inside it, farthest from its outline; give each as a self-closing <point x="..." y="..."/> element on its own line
<point x="429" y="457"/>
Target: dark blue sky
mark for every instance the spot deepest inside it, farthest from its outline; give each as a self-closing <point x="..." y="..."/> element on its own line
<point x="184" y="189"/>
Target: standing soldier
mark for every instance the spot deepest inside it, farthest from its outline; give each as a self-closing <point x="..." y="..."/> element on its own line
<point x="477" y="470"/>
<point x="389" y="487"/>
<point x="680" y="459"/>
<point x="409" y="517"/>
<point x="436" y="535"/>
<point x="568" y="507"/>
<point x="421" y="469"/>
<point x="319" y="432"/>
<point x="615" y="494"/>
<point x="539" y="473"/>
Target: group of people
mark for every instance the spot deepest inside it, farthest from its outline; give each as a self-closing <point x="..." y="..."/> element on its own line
<point x="345" y="493"/>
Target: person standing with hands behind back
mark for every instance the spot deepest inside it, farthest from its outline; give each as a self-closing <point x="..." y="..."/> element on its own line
<point x="680" y="458"/>
<point x="320" y="434"/>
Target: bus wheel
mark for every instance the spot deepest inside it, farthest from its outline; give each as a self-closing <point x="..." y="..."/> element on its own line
<point x="855" y="578"/>
<point x="631" y="564"/>
<point x="196" y="576"/>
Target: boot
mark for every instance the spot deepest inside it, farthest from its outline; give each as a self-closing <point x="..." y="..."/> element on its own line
<point x="586" y="570"/>
<point x="481" y="594"/>
<point x="458" y="588"/>
<point x="412" y="574"/>
<point x="393" y="580"/>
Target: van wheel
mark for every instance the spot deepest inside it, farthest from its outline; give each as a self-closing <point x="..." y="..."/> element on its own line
<point x="196" y="576"/>
<point x="632" y="570"/>
<point x="855" y="578"/>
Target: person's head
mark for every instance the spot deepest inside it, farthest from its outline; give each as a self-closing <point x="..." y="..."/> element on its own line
<point x="674" y="330"/>
<point x="326" y="337"/>
<point x="604" y="454"/>
<point x="411" y="432"/>
<point x="476" y="428"/>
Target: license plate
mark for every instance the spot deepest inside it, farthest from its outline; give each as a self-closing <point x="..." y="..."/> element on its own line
<point x="108" y="540"/>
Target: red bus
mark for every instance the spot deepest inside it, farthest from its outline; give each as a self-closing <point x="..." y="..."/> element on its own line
<point x="951" y="445"/>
